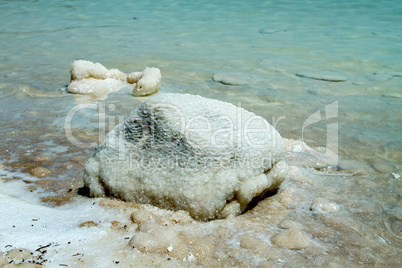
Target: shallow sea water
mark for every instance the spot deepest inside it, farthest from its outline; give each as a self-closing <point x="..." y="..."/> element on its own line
<point x="274" y="45"/>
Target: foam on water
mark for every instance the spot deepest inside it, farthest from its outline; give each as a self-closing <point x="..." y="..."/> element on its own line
<point x="278" y="59"/>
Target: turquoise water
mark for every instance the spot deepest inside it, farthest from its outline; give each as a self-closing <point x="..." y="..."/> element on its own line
<point x="268" y="42"/>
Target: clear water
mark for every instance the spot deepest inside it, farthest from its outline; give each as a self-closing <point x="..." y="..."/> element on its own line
<point x="267" y="41"/>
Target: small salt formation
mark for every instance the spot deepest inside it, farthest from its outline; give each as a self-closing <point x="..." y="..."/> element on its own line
<point x="292" y="239"/>
<point x="146" y="82"/>
<point x="323" y="205"/>
<point x="186" y="152"/>
<point x="94" y="79"/>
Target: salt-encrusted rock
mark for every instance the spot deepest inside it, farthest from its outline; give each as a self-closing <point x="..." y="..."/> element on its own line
<point x="95" y="87"/>
<point x="94" y="79"/>
<point x="180" y="151"/>
<point x="133" y="77"/>
<point x="289" y="224"/>
<point x="292" y="239"/>
<point x="149" y="81"/>
<point x="82" y="69"/>
<point x="323" y="205"/>
<point x="40" y="172"/>
<point x="324" y="76"/>
<point x="233" y="79"/>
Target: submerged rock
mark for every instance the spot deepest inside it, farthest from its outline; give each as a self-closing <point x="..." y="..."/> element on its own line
<point x="270" y="30"/>
<point x="324" y="76"/>
<point x="186" y="152"/>
<point x="232" y="79"/>
<point x="40" y="172"/>
<point x="292" y="239"/>
<point x="379" y="77"/>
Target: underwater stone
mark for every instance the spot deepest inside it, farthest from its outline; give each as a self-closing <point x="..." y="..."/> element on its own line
<point x="324" y="76"/>
<point x="268" y="31"/>
<point x="186" y="152"/>
<point x="232" y="79"/>
<point x="379" y="77"/>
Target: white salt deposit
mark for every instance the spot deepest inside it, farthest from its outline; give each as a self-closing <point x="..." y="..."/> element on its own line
<point x="179" y="151"/>
<point x="94" y="79"/>
<point x="365" y="183"/>
<point x="27" y="225"/>
<point x="95" y="87"/>
<point x="149" y="81"/>
<point x="82" y="69"/>
<point x="323" y="205"/>
<point x="292" y="239"/>
<point x="282" y="229"/>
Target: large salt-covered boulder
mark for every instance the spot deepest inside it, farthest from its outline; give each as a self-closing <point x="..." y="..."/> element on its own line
<point x="180" y="151"/>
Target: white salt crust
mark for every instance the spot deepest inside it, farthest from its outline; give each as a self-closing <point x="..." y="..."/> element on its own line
<point x="94" y="79"/>
<point x="181" y="151"/>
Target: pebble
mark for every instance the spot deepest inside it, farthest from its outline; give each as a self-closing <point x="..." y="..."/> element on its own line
<point x="324" y="76"/>
<point x="251" y="241"/>
<point x="359" y="82"/>
<point x="40" y="172"/>
<point x="160" y="241"/>
<point x="291" y="198"/>
<point x="295" y="174"/>
<point x="41" y="158"/>
<point x="232" y="79"/>
<point x="11" y="74"/>
<point x="292" y="239"/>
<point x="323" y="205"/>
<point x="289" y="224"/>
<point x="181" y="217"/>
<point x="88" y="224"/>
<point x="142" y="216"/>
